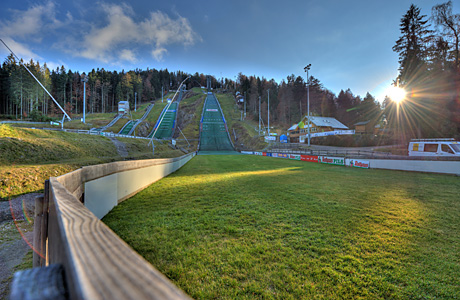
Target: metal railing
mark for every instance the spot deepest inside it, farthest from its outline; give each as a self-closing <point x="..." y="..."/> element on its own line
<point x="92" y="132"/>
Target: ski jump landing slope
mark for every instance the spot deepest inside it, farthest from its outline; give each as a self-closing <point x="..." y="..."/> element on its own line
<point x="166" y="122"/>
<point x="214" y="136"/>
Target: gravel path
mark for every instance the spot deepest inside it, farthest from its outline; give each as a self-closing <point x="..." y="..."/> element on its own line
<point x="13" y="248"/>
<point x="121" y="147"/>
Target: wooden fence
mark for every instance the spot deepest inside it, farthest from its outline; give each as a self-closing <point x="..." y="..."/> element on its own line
<point x="96" y="263"/>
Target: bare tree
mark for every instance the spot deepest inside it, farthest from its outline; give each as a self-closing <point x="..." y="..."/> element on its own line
<point x="450" y="24"/>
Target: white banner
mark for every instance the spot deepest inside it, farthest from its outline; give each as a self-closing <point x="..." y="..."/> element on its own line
<point x="340" y="161"/>
<point x="327" y="133"/>
<point x="357" y="163"/>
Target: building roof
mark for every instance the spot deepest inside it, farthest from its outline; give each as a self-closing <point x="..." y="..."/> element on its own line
<point x="293" y="127"/>
<point x="326" y="122"/>
<point x="362" y="123"/>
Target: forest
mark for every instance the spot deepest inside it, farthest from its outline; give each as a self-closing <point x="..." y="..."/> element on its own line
<point x="429" y="71"/>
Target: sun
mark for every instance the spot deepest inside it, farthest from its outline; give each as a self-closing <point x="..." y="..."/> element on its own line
<point x="396" y="94"/>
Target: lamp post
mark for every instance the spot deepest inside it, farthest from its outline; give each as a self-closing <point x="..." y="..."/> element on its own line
<point x="84" y="79"/>
<point x="307" y="68"/>
<point x="268" y="112"/>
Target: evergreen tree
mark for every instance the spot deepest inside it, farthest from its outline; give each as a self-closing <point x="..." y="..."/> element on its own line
<point x="412" y="45"/>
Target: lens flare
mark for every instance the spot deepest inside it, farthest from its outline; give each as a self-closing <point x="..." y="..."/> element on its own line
<point x="396" y="94"/>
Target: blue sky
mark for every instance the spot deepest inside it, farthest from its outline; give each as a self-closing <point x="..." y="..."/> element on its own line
<point x="348" y="43"/>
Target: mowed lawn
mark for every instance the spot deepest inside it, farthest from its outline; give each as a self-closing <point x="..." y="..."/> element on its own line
<point x="248" y="227"/>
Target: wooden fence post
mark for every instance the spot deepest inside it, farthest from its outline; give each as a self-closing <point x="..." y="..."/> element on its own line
<point x="41" y="228"/>
<point x="37" y="230"/>
<point x="44" y="227"/>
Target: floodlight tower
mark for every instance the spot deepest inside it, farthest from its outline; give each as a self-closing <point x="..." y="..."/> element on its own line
<point x="307" y="68"/>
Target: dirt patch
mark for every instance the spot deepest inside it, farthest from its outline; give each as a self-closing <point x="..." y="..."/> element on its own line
<point x="23" y="207"/>
<point x="121" y="147"/>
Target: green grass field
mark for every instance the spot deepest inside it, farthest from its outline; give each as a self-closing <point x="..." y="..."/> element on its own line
<point x="246" y="227"/>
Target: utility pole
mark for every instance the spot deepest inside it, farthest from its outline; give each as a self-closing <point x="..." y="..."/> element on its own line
<point x="135" y="100"/>
<point x="268" y="111"/>
<point x="245" y="105"/>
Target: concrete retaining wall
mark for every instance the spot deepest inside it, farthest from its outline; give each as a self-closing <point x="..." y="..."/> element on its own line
<point x="103" y="193"/>
<point x="446" y="167"/>
<point x="101" y="187"/>
<point x="429" y="166"/>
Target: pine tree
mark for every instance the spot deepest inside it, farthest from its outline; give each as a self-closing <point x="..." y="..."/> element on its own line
<point x="412" y="45"/>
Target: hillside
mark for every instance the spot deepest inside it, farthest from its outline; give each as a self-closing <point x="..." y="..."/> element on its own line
<point x="29" y="156"/>
<point x="243" y="133"/>
<point x="188" y="118"/>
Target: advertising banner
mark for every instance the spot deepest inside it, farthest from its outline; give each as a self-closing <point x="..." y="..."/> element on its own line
<point x="258" y="153"/>
<point x="358" y="163"/>
<point x="247" y="152"/>
<point x="294" y="156"/>
<point x="335" y="132"/>
<point x="339" y="161"/>
<point x="283" y="155"/>
<point x="275" y="154"/>
<point x="270" y="138"/>
<point x="264" y="153"/>
<point x="310" y="158"/>
<point x="211" y="109"/>
<point x="269" y="154"/>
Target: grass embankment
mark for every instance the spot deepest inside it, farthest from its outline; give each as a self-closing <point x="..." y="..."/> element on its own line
<point x="29" y="156"/>
<point x="244" y="227"/>
<point x="189" y="118"/>
<point x="247" y="137"/>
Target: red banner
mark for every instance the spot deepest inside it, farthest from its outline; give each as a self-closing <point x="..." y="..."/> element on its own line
<point x="310" y="158"/>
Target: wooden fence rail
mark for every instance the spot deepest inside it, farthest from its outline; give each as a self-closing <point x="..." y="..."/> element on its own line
<point x="96" y="263"/>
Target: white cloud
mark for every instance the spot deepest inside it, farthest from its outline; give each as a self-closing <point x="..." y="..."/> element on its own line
<point x="159" y="53"/>
<point x="127" y="55"/>
<point x="122" y="30"/>
<point x="32" y="23"/>
<point x="21" y="50"/>
<point x="116" y="37"/>
<point x="29" y="26"/>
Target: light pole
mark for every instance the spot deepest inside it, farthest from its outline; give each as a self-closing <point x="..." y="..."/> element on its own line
<point x="135" y="100"/>
<point x="84" y="79"/>
<point x="307" y="68"/>
<point x="268" y="112"/>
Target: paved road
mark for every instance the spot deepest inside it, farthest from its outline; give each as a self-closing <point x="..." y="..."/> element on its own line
<point x="333" y="148"/>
